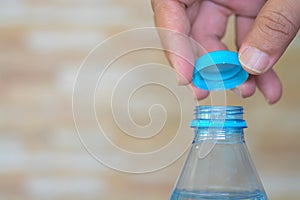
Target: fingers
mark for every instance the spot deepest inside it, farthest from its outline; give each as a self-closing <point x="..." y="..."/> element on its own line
<point x="270" y="86"/>
<point x="174" y="26"/>
<point x="274" y="28"/>
<point x="260" y="46"/>
<point x="268" y="83"/>
<point x="198" y="93"/>
<point x="247" y="89"/>
<point x="171" y="16"/>
<point x="179" y="51"/>
<point x="242" y="8"/>
<point x="209" y="26"/>
<point x="242" y="27"/>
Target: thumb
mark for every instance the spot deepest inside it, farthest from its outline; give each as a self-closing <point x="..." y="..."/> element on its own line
<point x="273" y="30"/>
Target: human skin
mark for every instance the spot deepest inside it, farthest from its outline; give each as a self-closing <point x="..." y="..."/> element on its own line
<point x="263" y="29"/>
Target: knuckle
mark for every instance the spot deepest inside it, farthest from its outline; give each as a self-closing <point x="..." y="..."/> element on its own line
<point x="276" y="25"/>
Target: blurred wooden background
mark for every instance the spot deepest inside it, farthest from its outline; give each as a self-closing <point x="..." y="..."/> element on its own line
<point x="42" y="44"/>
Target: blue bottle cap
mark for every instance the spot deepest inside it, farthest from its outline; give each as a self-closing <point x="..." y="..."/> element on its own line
<point x="219" y="70"/>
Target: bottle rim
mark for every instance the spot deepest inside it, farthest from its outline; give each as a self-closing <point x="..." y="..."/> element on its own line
<point x="219" y="117"/>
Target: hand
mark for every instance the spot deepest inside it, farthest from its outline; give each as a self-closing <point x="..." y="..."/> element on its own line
<point x="263" y="32"/>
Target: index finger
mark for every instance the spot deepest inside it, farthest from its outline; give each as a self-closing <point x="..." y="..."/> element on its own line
<point x="172" y="17"/>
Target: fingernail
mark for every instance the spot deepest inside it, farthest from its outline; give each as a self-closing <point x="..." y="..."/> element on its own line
<point x="254" y="59"/>
<point x="270" y="102"/>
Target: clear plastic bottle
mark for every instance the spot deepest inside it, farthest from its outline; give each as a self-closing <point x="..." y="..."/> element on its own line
<point x="218" y="165"/>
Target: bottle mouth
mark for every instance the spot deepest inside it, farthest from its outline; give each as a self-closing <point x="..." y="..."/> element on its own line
<point x="219" y="117"/>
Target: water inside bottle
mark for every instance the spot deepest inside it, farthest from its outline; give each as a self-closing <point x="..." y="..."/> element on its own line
<point x="218" y="195"/>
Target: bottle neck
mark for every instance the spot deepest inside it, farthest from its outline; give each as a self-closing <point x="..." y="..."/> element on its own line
<point x="224" y="135"/>
<point x="224" y="124"/>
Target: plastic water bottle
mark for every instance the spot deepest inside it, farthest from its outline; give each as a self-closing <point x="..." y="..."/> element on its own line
<point x="218" y="165"/>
